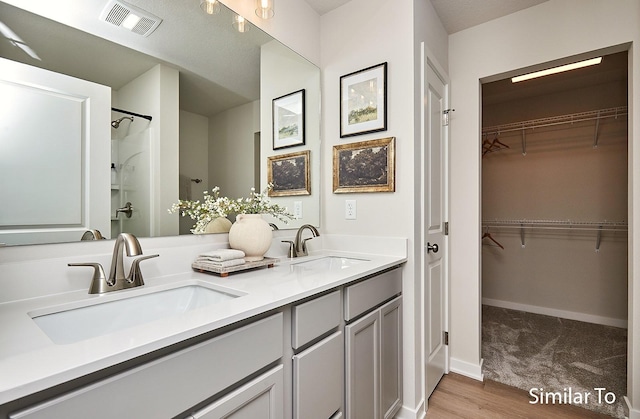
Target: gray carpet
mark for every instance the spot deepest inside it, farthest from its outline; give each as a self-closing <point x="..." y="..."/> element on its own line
<point x="527" y="350"/>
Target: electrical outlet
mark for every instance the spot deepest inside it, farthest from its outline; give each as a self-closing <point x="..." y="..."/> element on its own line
<point x="297" y="210"/>
<point x="350" y="212"/>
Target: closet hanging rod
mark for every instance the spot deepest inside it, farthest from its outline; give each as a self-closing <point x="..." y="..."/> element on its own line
<point x="557" y="120"/>
<point x="558" y="225"/>
<point x="148" y="117"/>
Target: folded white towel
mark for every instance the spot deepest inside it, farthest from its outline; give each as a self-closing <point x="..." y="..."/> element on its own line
<point x="221" y="255"/>
<point x="225" y="263"/>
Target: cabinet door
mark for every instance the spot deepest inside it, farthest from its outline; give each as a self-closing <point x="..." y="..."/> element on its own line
<point x="318" y="379"/>
<point x="261" y="398"/>
<point x="391" y="357"/>
<point x="363" y="367"/>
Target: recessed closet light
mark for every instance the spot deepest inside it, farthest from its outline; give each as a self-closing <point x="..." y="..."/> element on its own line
<point x="555" y="70"/>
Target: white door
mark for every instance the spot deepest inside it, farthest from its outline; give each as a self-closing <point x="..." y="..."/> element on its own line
<point x="435" y="216"/>
<point x="56" y="124"/>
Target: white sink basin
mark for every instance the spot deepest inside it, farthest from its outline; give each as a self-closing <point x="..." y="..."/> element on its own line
<point x="329" y="263"/>
<point x="69" y="325"/>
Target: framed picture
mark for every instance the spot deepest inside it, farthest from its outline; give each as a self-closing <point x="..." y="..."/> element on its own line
<point x="366" y="166"/>
<point x="363" y="101"/>
<point x="288" y="120"/>
<point x="289" y="174"/>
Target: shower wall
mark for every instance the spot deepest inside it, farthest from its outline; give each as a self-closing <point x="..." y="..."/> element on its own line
<point x="147" y="153"/>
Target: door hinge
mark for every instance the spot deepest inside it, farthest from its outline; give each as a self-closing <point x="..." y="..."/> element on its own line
<point x="445" y="116"/>
<point x="446" y="228"/>
<point x="446" y="338"/>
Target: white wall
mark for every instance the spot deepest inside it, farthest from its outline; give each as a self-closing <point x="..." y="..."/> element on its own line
<point x="547" y="32"/>
<point x="282" y="72"/>
<point x="355" y="36"/>
<point x="194" y="160"/>
<point x="231" y="149"/>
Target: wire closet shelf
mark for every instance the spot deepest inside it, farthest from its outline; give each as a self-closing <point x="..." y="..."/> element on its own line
<point x="557" y="120"/>
<point x="524" y="224"/>
<point x="523" y="126"/>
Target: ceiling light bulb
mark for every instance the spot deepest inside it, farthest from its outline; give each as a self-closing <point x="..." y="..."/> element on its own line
<point x="556" y="70"/>
<point x="264" y="9"/>
<point x="240" y="24"/>
<point x="210" y="7"/>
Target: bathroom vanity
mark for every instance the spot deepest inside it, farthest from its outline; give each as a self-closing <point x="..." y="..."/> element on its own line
<point x="313" y="337"/>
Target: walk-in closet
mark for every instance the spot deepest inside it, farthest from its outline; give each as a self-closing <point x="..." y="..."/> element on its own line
<point x="554" y="232"/>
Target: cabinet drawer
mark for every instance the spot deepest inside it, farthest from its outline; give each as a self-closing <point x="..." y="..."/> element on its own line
<point x="318" y="379"/>
<point x="261" y="398"/>
<point x="364" y="296"/>
<point x="171" y="384"/>
<point x="315" y="317"/>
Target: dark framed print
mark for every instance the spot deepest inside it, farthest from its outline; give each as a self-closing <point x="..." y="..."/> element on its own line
<point x="363" y="101"/>
<point x="366" y="166"/>
<point x="289" y="174"/>
<point x="288" y="120"/>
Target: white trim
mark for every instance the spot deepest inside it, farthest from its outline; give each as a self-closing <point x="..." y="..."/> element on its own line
<point x="467" y="369"/>
<point x="571" y="315"/>
<point x="407" y="413"/>
<point x="632" y="413"/>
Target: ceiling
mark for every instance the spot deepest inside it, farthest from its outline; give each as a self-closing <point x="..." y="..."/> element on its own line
<point x="455" y="15"/>
<point x="69" y="38"/>
<point x="187" y="39"/>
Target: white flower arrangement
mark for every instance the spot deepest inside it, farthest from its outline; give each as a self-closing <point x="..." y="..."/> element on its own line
<point x="215" y="206"/>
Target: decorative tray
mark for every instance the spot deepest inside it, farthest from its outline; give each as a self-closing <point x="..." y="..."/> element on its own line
<point x="225" y="271"/>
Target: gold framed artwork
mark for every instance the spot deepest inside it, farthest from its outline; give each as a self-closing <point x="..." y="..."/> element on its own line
<point x="289" y="174"/>
<point x="365" y="166"/>
<point x="363" y="101"/>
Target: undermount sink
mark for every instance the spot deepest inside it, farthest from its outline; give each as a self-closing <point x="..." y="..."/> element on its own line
<point x="330" y="263"/>
<point x="73" y="324"/>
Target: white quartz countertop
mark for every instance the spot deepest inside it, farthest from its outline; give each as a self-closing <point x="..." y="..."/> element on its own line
<point x="30" y="361"/>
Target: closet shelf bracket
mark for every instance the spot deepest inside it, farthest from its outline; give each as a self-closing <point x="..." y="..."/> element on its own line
<point x="524" y="145"/>
<point x="522" y="235"/>
<point x="598" y="238"/>
<point x="595" y="135"/>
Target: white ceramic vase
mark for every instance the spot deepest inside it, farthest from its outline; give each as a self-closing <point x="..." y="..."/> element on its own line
<point x="251" y="234"/>
<point x="218" y="225"/>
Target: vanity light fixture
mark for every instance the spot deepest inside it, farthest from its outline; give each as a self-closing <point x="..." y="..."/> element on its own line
<point x="555" y="70"/>
<point x="240" y="24"/>
<point x="264" y="9"/>
<point x="210" y="7"/>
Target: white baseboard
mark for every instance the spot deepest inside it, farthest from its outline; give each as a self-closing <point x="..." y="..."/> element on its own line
<point x="407" y="413"/>
<point x="564" y="314"/>
<point x="633" y="413"/>
<point x="467" y="369"/>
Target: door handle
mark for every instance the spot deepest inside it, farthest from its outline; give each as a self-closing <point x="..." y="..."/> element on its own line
<point x="432" y="248"/>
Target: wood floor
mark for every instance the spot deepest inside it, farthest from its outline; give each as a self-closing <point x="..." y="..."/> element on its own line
<point x="460" y="397"/>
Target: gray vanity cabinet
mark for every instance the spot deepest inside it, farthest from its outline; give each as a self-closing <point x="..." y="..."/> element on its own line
<point x="174" y="383"/>
<point x="333" y="356"/>
<point x="318" y="366"/>
<point x="373" y="312"/>
<point x="258" y="399"/>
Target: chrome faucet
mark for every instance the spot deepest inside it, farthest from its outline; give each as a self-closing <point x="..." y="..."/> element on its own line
<point x="300" y="245"/>
<point x="116" y="279"/>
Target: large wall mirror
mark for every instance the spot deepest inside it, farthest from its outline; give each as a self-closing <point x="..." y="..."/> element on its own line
<point x="188" y="107"/>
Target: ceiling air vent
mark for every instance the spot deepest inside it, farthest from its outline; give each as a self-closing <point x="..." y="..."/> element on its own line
<point x="130" y="17"/>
